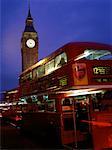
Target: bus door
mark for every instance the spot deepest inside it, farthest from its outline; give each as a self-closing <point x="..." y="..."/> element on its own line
<point x="81" y="117"/>
<point x="75" y="129"/>
<point x="67" y="124"/>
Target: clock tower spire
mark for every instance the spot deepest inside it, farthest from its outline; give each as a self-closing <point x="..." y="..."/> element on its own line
<point x="29" y="43"/>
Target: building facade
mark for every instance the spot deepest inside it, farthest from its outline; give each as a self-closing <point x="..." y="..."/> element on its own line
<point x="11" y="95"/>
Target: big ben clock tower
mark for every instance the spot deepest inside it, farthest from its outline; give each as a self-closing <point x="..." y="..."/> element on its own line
<point x="29" y="44"/>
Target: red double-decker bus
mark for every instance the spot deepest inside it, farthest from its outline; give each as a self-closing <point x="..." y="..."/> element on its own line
<point x="72" y="89"/>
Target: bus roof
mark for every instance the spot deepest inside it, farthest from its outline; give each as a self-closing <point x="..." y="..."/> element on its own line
<point x="77" y="46"/>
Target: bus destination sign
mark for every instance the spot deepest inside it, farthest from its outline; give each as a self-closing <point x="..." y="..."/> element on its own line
<point x="102" y="70"/>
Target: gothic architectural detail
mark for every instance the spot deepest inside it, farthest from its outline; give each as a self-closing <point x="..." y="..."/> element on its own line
<point x="29" y="44"/>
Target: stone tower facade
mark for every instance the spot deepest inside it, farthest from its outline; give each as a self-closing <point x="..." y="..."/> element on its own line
<point x="29" y="44"/>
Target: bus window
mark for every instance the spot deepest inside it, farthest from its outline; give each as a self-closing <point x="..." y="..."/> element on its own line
<point x="93" y="54"/>
<point x="50" y="105"/>
<point x="106" y="57"/>
<point x="98" y="54"/>
<point x="67" y="104"/>
<point x="102" y="101"/>
<point x="35" y="73"/>
<point x="49" y="67"/>
<point x="41" y="106"/>
<point x="30" y="75"/>
<point x="41" y="71"/>
<point x="108" y="95"/>
<point x="60" y="60"/>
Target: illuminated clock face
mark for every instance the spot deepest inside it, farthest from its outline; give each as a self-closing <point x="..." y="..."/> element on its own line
<point x="30" y="43"/>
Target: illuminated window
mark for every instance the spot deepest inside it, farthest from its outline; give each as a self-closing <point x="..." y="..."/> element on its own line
<point x="91" y="54"/>
<point x="41" y="106"/>
<point x="50" y="105"/>
<point x="67" y="104"/>
<point x="98" y="54"/>
<point x="29" y="76"/>
<point x="49" y="67"/>
<point x="40" y="71"/>
<point x="60" y="60"/>
<point x="34" y="98"/>
<point x="106" y="57"/>
<point x="35" y="73"/>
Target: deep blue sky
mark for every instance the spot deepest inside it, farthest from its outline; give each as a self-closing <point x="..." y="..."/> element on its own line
<point x="57" y="23"/>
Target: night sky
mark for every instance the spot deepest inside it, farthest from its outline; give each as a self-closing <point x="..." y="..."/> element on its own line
<point x="57" y="23"/>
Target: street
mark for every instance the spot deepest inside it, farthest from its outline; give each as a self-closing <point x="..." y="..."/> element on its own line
<point x="12" y="138"/>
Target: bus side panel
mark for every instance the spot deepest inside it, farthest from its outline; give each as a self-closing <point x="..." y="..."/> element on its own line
<point x="102" y="130"/>
<point x="68" y="137"/>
